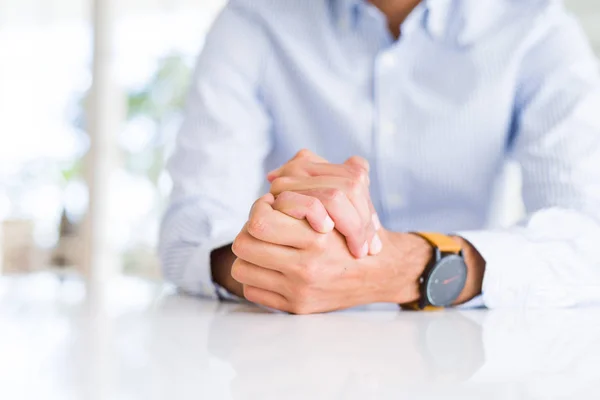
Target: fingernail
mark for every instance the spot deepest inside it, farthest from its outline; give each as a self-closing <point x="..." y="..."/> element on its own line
<point x="376" y="222"/>
<point x="328" y="224"/>
<point x="376" y="245"/>
<point x="364" y="250"/>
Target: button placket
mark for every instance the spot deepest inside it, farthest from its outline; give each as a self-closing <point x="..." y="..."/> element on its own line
<point x="388" y="135"/>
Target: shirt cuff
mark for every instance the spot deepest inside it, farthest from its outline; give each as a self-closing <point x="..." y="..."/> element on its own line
<point x="514" y="275"/>
<point x="198" y="279"/>
<point x="475" y="302"/>
<point x="501" y="252"/>
<point x="225" y="295"/>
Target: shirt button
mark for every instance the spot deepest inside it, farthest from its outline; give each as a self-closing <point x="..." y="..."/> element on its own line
<point x="388" y="60"/>
<point x="396" y="201"/>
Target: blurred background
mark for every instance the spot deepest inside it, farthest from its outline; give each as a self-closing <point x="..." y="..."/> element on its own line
<point x="46" y="52"/>
<point x="46" y="49"/>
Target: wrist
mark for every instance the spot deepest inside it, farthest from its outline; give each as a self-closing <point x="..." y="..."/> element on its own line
<point x="398" y="268"/>
<point x="475" y="271"/>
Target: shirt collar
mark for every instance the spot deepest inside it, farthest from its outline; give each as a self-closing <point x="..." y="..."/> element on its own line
<point x="347" y="13"/>
<point x="462" y="23"/>
<point x="436" y="18"/>
<point x="442" y="19"/>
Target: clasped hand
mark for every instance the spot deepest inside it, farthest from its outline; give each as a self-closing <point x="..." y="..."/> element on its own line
<point x="315" y="244"/>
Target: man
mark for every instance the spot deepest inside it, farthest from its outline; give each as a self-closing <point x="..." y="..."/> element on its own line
<point x="409" y="109"/>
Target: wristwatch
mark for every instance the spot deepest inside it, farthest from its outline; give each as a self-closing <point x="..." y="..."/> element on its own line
<point x="445" y="275"/>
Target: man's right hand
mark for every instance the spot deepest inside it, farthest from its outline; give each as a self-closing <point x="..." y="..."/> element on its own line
<point x="328" y="195"/>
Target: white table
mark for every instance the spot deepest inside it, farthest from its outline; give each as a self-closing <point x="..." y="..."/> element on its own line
<point x="152" y="343"/>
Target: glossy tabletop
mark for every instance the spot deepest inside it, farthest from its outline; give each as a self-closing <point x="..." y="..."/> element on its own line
<point x="148" y="342"/>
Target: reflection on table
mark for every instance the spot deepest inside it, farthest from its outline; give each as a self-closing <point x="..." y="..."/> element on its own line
<point x="152" y="343"/>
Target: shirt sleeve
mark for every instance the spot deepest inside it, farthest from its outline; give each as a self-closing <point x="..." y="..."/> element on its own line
<point x="217" y="167"/>
<point x="551" y="259"/>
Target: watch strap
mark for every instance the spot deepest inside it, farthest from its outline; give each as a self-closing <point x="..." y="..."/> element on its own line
<point x="443" y="242"/>
<point x="416" y="306"/>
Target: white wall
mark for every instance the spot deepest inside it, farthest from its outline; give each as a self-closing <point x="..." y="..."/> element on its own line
<point x="45" y="11"/>
<point x="588" y="12"/>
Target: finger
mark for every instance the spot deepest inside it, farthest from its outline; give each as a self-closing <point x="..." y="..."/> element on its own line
<point x="303" y="154"/>
<point x="359" y="162"/>
<point x="351" y="172"/>
<point x="354" y="168"/>
<point x="361" y="168"/>
<point x="300" y="169"/>
<point x="376" y="221"/>
<point x="267" y="199"/>
<point x="293" y="168"/>
<point x="345" y="217"/>
<point x="272" y="226"/>
<point x="250" y="274"/>
<point x="280" y="258"/>
<point x="301" y="206"/>
<point x="306" y="154"/>
<point x="305" y="169"/>
<point x="266" y="298"/>
<point x="355" y="231"/>
<point x="376" y="245"/>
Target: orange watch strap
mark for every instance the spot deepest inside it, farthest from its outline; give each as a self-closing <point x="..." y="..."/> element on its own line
<point x="443" y="242"/>
<point x="414" y="306"/>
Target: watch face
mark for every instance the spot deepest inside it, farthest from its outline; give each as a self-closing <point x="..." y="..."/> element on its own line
<point x="446" y="281"/>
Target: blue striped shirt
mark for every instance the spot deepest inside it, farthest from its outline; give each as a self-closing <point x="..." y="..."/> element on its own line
<point x="469" y="85"/>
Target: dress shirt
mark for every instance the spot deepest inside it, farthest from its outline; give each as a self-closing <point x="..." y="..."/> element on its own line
<point x="469" y="85"/>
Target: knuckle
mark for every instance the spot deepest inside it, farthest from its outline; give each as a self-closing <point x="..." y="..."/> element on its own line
<point x="313" y="204"/>
<point x="280" y="184"/>
<point x="320" y="242"/>
<point x="238" y="247"/>
<point x="357" y="173"/>
<point x="303" y="153"/>
<point x="359" y="162"/>
<point x="285" y="196"/>
<point x="333" y="195"/>
<point x="355" y="187"/>
<point x="257" y="225"/>
<point x="300" y="308"/>
<point x="359" y="170"/>
<point x="237" y="271"/>
<point x="309" y="272"/>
